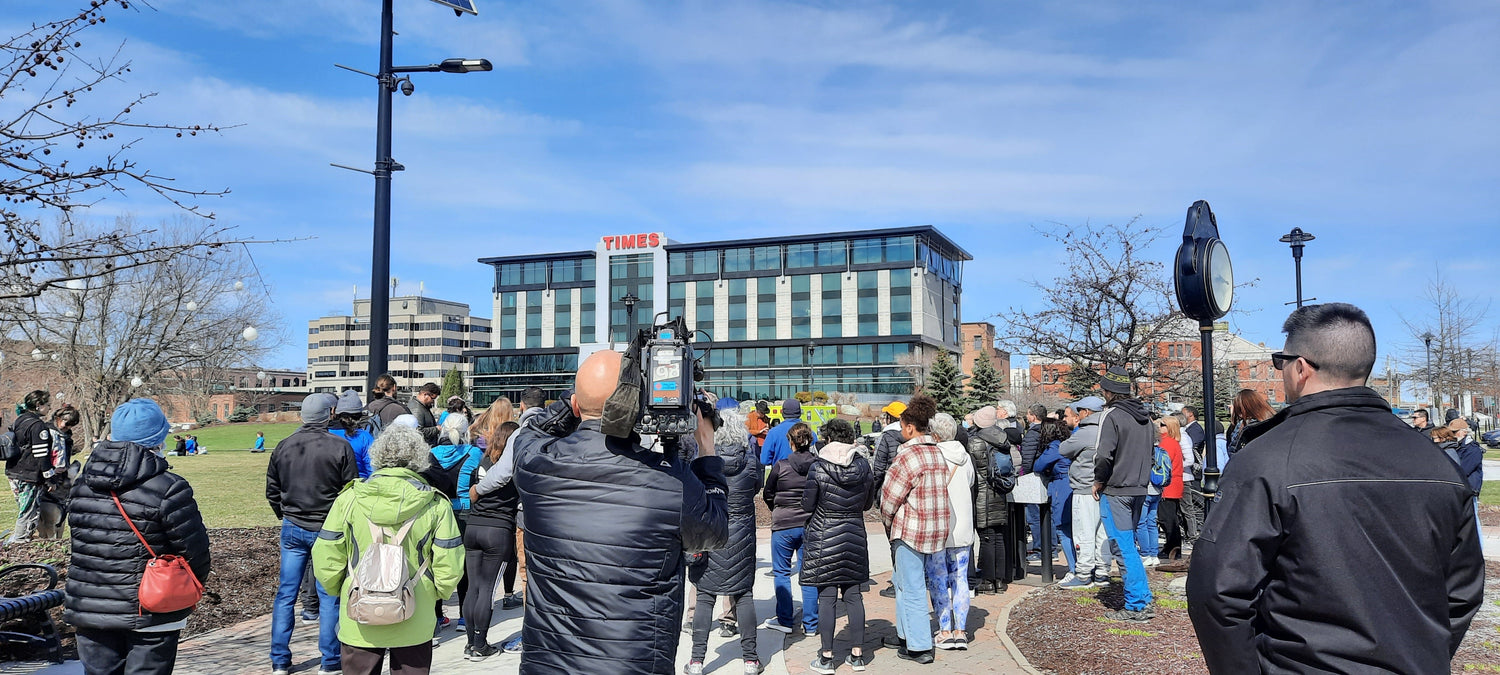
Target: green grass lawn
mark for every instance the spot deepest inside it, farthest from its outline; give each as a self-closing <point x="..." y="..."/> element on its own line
<point x="1490" y="495"/>
<point x="229" y="482"/>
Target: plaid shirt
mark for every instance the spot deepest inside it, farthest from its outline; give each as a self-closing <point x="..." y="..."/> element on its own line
<point x="914" y="500"/>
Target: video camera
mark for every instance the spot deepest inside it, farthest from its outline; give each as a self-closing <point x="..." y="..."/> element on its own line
<point x="658" y="394"/>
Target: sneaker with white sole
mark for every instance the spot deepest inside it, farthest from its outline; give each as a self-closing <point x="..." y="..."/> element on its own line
<point x="773" y="624"/>
<point x="512" y="646"/>
<point x="1074" y="582"/>
<point x="693" y="668"/>
<point x="753" y="668"/>
<point x="1152" y="561"/>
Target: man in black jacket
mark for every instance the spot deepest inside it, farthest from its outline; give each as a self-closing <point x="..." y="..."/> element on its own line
<point x="1340" y="541"/>
<point x="36" y="443"/>
<point x="420" y="406"/>
<point x="1122" y="472"/>
<point x="608" y="527"/>
<point x="308" y="469"/>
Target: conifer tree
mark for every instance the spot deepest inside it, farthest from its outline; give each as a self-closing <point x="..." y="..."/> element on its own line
<point x="986" y="384"/>
<point x="945" y="385"/>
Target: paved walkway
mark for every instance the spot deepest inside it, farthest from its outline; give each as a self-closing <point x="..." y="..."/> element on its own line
<point x="242" y="649"/>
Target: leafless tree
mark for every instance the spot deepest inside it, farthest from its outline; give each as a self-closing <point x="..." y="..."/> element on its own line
<point x="65" y="146"/>
<point x="1460" y="348"/>
<point x="177" y="326"/>
<point x="1110" y="305"/>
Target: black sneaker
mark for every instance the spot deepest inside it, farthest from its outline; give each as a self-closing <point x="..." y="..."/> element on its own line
<point x="728" y="629"/>
<point x="512" y="601"/>
<point x="922" y="657"/>
<point x="1139" y="615"/>
<point x="888" y="591"/>
<point x="893" y="642"/>
<point x="823" y="665"/>
<point x="856" y="662"/>
<point x="480" y="653"/>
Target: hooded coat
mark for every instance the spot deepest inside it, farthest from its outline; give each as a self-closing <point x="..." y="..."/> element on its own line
<point x="1080" y="447"/>
<point x="1340" y="542"/>
<point x="731" y="570"/>
<point x="1126" y="450"/>
<point x="104" y="572"/>
<point x="608" y="527"/>
<point x="784" y="487"/>
<point x="989" y="450"/>
<point x="389" y="498"/>
<point x="840" y="488"/>
<point x="960" y="494"/>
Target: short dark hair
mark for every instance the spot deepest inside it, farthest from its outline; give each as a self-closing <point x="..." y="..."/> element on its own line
<point x="385" y="383"/>
<point x="919" y="412"/>
<point x="431" y="388"/>
<point x="1190" y="410"/>
<point x="1337" y="336"/>
<point x="533" y="397"/>
<point x="1423" y="412"/>
<point x="837" y="431"/>
<point x="1038" y="411"/>
<point x="68" y="416"/>
<point x="37" y="399"/>
<point x="800" y="436"/>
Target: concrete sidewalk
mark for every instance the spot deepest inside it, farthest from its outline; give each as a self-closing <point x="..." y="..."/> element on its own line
<point x="243" y="649"/>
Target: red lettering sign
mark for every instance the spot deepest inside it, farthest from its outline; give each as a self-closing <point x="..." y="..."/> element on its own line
<point x="627" y="241"/>
<point x="655" y="240"/>
<point x="607" y="242"/>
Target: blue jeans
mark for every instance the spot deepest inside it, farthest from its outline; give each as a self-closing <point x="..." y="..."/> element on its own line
<point x="1147" y="536"/>
<point x="1034" y="526"/>
<point x="912" y="622"/>
<point x="1126" y="511"/>
<point x="296" y="555"/>
<point x="1061" y="497"/>
<point x="783" y="544"/>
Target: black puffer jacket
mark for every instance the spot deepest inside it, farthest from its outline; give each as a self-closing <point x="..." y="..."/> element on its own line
<point x="608" y="528"/>
<point x="731" y="570"/>
<point x="104" y="573"/>
<point x="1340" y="543"/>
<point x="783" y="492"/>
<point x="307" y="471"/>
<point x="990" y="505"/>
<point x="885" y="452"/>
<point x="840" y="488"/>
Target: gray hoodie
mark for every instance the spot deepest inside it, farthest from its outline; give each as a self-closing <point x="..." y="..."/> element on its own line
<point x="1080" y="448"/>
<point x="1122" y="462"/>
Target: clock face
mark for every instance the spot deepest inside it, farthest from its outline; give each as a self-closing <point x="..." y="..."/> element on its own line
<point x="1221" y="276"/>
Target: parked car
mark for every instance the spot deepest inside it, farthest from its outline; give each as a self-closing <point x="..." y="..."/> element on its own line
<point x="1491" y="438"/>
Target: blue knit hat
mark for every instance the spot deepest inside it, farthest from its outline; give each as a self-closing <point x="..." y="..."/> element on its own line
<point x="139" y="421"/>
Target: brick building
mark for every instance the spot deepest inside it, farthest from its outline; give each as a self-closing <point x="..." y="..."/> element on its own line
<point x="979" y="337"/>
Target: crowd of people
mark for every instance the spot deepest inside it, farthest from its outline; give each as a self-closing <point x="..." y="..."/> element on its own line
<point x="388" y="509"/>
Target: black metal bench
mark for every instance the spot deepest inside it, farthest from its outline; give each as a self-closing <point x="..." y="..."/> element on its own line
<point x="26" y="627"/>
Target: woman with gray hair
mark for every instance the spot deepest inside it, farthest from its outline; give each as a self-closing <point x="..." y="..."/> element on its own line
<point x="730" y="571"/>
<point x="455" y="462"/>
<point x="948" y="569"/>
<point x="397" y="506"/>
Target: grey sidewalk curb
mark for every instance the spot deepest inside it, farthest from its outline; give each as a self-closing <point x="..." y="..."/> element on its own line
<point x="1003" y="628"/>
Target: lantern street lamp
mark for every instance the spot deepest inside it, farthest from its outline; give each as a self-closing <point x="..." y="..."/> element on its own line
<point x="250" y="334"/>
<point x="37" y="355"/>
<point x="630" y="302"/>
<point x="1431" y="390"/>
<point x="1297" y="238"/>
<point x="1204" y="280"/>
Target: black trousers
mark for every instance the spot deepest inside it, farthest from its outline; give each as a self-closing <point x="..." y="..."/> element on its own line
<point x="309" y="592"/>
<point x="1166" y="519"/>
<point x="486" y="548"/>
<point x="703" y="619"/>
<point x="512" y="564"/>
<point x="124" y="652"/>
<point x="413" y="660"/>
<point x="992" y="554"/>
<point x="854" y="607"/>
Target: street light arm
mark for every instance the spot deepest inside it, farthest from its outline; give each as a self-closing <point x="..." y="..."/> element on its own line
<point x="429" y="68"/>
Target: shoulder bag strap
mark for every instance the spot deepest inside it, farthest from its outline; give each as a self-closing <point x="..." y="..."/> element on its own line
<point x="137" y="532"/>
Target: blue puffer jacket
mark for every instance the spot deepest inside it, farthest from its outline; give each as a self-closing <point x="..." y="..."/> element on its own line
<point x="461" y="458"/>
<point x="1052" y="465"/>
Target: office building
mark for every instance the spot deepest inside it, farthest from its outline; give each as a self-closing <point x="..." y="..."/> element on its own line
<point x="428" y="338"/>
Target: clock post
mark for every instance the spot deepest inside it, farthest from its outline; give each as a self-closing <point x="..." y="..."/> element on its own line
<point x="1204" y="280"/>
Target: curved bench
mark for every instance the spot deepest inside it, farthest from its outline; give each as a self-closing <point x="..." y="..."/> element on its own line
<point x="30" y="611"/>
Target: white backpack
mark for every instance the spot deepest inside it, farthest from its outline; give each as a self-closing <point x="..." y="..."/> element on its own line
<point x="382" y="591"/>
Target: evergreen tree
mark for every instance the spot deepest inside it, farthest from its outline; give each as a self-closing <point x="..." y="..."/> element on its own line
<point x="945" y="385"/>
<point x="1080" y="380"/>
<point x="985" y="385"/>
<point x="453" y="385"/>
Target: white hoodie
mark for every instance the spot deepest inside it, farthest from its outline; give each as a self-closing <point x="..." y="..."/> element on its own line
<point x="960" y="495"/>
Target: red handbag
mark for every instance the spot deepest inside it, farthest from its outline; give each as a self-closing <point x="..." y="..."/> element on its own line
<point x="168" y="583"/>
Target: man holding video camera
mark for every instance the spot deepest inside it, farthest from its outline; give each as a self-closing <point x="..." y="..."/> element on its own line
<point x="609" y="525"/>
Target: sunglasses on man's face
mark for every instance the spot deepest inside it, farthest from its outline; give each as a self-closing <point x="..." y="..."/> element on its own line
<point x="1280" y="359"/>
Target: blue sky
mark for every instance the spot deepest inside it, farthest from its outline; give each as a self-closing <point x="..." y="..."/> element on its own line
<point x="1371" y="124"/>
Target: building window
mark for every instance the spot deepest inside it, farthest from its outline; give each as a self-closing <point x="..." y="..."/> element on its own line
<point x="767" y="258"/>
<point x="738" y="297"/>
<point x="978" y="339"/>
<point x="901" y="304"/>
<point x="692" y="262"/>
<point x="507" y="320"/>
<point x="765" y="307"/>
<point x="586" y="322"/>
<point x="533" y="319"/>
<point x="629" y="274"/>
<point x="833" y="254"/>
<point x="868" y="303"/>
<point x="801" y="307"/>
<point x="801" y="256"/>
<point x="738" y="260"/>
<point x="676" y="299"/>
<point x="705" y="301"/>
<point x="833" y="306"/>
<point x="570" y="271"/>
<point x="562" y="318"/>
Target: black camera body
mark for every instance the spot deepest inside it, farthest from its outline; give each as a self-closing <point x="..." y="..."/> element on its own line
<point x="669" y="402"/>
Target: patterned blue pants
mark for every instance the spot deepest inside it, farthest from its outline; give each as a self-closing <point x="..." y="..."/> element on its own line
<point x="948" y="584"/>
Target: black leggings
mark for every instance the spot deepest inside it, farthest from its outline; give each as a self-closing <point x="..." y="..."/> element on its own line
<point x="1166" y="518"/>
<point x="854" y="607"/>
<point x="703" y="619"/>
<point x="992" y="554"/>
<point x="486" y="548"/>
<point x="511" y="565"/>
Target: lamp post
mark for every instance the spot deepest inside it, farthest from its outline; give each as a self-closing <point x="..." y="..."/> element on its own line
<point x="1204" y="281"/>
<point x="1431" y="392"/>
<point x="629" y="301"/>
<point x="811" y="348"/>
<point x="380" y="261"/>
<point x="1297" y="238"/>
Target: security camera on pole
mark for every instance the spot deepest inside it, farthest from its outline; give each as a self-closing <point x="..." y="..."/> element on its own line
<point x="1205" y="288"/>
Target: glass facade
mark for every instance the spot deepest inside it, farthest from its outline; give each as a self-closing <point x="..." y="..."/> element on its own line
<point x="900" y="302"/>
<point x="801" y="307"/>
<point x="705" y="307"/>
<point x="780" y="372"/>
<point x="562" y="318"/>
<point x="738" y="330"/>
<point x="765" y="308"/>
<point x="629" y="274"/>
<point x="508" y="375"/>
<point x="507" y="320"/>
<point x="533" y="319"/>
<point x="833" y="305"/>
<point x="676" y="299"/>
<point x="868" y="298"/>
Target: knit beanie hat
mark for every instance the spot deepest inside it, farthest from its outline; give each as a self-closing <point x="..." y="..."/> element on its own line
<point x="791" y="409"/>
<point x="349" y="403"/>
<point x="139" y="421"/>
<point x="985" y="417"/>
<point x="317" y="408"/>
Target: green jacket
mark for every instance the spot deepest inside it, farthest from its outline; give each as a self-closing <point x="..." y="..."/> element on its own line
<point x="389" y="498"/>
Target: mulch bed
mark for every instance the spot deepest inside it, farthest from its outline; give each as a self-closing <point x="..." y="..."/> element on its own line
<point x="241" y="585"/>
<point x="1065" y="632"/>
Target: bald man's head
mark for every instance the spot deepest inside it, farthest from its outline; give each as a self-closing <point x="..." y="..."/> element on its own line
<point x="597" y="379"/>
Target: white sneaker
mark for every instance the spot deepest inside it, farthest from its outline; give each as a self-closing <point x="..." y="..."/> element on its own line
<point x="773" y="624"/>
<point x="1152" y="561"/>
<point x="281" y="671"/>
